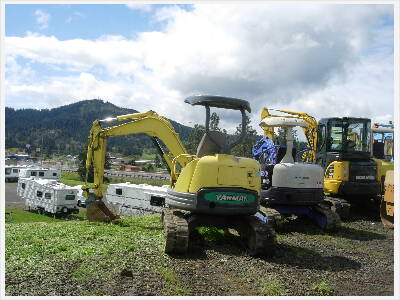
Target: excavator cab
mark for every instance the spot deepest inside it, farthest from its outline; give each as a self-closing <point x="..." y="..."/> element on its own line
<point x="343" y="150"/>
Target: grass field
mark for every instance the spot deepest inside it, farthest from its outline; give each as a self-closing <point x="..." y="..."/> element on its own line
<point x="98" y="252"/>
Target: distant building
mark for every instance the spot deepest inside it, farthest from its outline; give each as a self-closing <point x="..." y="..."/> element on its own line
<point x="129" y="168"/>
<point x="144" y="161"/>
<point x="18" y="156"/>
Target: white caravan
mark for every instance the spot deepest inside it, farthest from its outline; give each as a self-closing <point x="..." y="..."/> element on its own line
<point x="12" y="172"/>
<point x="140" y="197"/>
<point x="47" y="195"/>
<point x="40" y="173"/>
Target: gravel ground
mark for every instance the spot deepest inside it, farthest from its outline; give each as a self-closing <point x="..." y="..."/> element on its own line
<point x="355" y="261"/>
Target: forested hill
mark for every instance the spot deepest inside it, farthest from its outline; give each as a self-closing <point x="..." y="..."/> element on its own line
<point x="65" y="129"/>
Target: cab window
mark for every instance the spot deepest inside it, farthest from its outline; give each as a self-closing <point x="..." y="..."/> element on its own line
<point x="321" y="137"/>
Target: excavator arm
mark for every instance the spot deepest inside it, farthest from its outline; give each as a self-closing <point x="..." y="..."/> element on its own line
<point x="311" y="131"/>
<point x="150" y="123"/>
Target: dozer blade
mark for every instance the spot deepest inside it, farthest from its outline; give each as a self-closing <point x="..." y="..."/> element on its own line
<point x="387" y="219"/>
<point x="98" y="211"/>
<point x="387" y="203"/>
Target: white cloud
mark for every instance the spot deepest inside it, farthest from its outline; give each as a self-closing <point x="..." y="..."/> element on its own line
<point x="42" y="18"/>
<point x="75" y="15"/>
<point x="141" y="7"/>
<point x="322" y="59"/>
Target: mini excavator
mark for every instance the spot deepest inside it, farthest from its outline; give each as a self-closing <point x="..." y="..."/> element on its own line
<point x="290" y="188"/>
<point x="211" y="188"/>
<point x="382" y="142"/>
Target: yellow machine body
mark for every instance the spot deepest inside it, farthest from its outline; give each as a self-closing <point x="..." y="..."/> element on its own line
<point x="387" y="203"/>
<point x="336" y="173"/>
<point x="220" y="170"/>
<point x="382" y="168"/>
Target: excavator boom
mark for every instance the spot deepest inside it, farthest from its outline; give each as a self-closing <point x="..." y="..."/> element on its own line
<point x="150" y="123"/>
<point x="310" y="131"/>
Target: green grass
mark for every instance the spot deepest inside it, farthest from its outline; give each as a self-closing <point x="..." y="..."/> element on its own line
<point x="19" y="215"/>
<point x="323" y="288"/>
<point x="79" y="251"/>
<point x="213" y="234"/>
<point x="172" y="284"/>
<point x="147" y="155"/>
<point x="271" y="288"/>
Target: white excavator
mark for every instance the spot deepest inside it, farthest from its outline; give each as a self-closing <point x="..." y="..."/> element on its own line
<point x="288" y="187"/>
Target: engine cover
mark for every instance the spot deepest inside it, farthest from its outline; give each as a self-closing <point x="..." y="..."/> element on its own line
<point x="298" y="175"/>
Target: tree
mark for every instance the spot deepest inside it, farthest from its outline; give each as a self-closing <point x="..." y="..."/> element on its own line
<point x="214" y="122"/>
<point x="82" y="167"/>
<point x="198" y="132"/>
<point x="158" y="161"/>
<point x="245" y="147"/>
<point x="194" y="138"/>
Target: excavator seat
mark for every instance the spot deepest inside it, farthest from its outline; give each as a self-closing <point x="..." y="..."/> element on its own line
<point x="208" y="147"/>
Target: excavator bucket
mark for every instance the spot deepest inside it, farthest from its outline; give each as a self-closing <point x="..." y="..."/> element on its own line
<point x="387" y="203"/>
<point x="98" y="211"/>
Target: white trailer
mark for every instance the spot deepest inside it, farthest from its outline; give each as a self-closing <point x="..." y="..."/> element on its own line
<point x="12" y="172"/>
<point x="133" y="199"/>
<point x="81" y="200"/>
<point x="47" y="195"/>
<point x="40" y="173"/>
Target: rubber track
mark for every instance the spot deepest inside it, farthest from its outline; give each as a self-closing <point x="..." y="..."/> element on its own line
<point x="176" y="231"/>
<point x="340" y="206"/>
<point x="261" y="239"/>
<point x="333" y="221"/>
<point x="274" y="216"/>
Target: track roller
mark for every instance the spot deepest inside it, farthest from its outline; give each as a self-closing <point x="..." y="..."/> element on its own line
<point x="274" y="217"/>
<point x="339" y="206"/>
<point x="175" y="230"/>
<point x="259" y="236"/>
<point x="332" y="219"/>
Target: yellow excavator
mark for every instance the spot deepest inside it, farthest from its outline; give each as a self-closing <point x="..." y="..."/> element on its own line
<point x="342" y="147"/>
<point x="211" y="188"/>
<point x="382" y="141"/>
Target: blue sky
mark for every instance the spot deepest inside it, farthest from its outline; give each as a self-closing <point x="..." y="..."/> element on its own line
<point x="326" y="60"/>
<point x="85" y="21"/>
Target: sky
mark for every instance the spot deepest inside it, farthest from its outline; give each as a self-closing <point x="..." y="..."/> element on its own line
<point x="328" y="60"/>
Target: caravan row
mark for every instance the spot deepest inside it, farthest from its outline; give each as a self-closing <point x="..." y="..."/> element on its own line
<point x="48" y="195"/>
<point x="13" y="173"/>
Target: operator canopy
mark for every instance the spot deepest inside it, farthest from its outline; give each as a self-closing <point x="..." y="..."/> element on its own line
<point x="282" y="121"/>
<point x="219" y="101"/>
